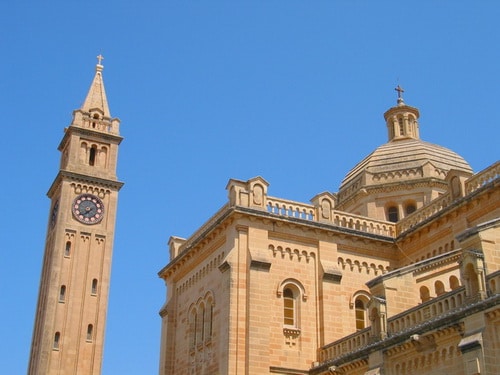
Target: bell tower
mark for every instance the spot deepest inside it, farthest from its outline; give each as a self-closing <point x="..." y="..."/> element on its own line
<point x="68" y="335"/>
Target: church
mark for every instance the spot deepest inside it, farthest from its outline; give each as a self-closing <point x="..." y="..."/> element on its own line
<point x="398" y="272"/>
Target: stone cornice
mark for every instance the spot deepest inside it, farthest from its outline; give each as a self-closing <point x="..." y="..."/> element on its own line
<point x="72" y="176"/>
<point x="478" y="228"/>
<point x="227" y="211"/>
<point x="197" y="238"/>
<point x="390" y="186"/>
<point x="95" y="134"/>
<point x="316" y="225"/>
<point x="419" y="267"/>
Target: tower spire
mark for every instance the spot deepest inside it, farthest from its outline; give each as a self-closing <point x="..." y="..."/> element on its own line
<point x="96" y="97"/>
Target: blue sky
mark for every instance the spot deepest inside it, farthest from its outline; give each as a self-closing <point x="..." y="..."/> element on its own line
<point x="293" y="91"/>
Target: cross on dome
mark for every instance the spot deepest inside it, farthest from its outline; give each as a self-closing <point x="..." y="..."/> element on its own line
<point x="400" y="91"/>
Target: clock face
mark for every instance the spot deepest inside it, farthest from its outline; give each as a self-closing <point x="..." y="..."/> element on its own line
<point x="88" y="209"/>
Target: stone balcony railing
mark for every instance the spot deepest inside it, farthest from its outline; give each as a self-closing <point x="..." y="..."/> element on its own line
<point x="289" y="208"/>
<point x="407" y="321"/>
<point x="102" y="124"/>
<point x="341" y="219"/>
<point x="472" y="184"/>
<point x="478" y="180"/>
<point x="413" y="320"/>
<point x="424" y="213"/>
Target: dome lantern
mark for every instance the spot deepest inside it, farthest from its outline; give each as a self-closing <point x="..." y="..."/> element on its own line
<point x="402" y="120"/>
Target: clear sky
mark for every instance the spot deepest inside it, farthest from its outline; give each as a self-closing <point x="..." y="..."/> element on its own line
<point x="293" y="91"/>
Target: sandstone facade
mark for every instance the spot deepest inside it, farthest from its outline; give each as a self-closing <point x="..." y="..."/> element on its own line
<point x="397" y="273"/>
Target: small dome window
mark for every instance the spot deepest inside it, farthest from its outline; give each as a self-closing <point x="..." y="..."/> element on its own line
<point x="410" y="208"/>
<point x="392" y="214"/>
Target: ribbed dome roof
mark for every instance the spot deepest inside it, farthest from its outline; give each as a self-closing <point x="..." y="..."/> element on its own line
<point x="407" y="154"/>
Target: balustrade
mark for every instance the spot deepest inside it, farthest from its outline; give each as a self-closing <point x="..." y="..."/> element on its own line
<point x="294" y="209"/>
<point x="489" y="174"/>
<point x="407" y="320"/>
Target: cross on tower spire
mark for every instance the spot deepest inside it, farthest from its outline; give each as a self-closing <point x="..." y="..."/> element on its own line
<point x="99" y="59"/>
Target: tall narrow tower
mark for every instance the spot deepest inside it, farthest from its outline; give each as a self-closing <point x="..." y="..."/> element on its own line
<point x="68" y="336"/>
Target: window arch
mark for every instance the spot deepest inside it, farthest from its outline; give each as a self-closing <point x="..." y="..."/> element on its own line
<point x="293" y="294"/>
<point x="200" y="327"/>
<point x="67" y="249"/>
<point x="62" y="293"/>
<point x="401" y="126"/>
<point x="359" y="303"/>
<point x="90" y="332"/>
<point x="360" y="313"/>
<point x="83" y="152"/>
<point x="208" y="321"/>
<point x="93" y="290"/>
<point x="103" y="156"/>
<point x="392" y="214"/>
<point x="454" y="283"/>
<point x="439" y="288"/>
<point x="95" y="117"/>
<point x="57" y="339"/>
<point x="192" y="320"/>
<point x="425" y="294"/>
<point x="410" y="207"/>
<point x="92" y="155"/>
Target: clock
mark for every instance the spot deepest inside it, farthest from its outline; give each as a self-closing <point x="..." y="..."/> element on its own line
<point x="88" y="209"/>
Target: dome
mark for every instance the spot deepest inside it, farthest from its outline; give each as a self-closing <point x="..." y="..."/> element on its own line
<point x="407" y="157"/>
<point x="405" y="171"/>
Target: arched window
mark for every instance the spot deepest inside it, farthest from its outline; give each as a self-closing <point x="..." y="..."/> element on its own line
<point x="454" y="283"/>
<point x="92" y="155"/>
<point x="293" y="294"/>
<point x="57" y="339"/>
<point x="208" y="322"/>
<point x="94" y="287"/>
<point x="439" y="288"/>
<point x="410" y="208"/>
<point x="67" y="249"/>
<point x="360" y="311"/>
<point x="289" y="307"/>
<point x="90" y="332"/>
<point x="96" y="117"/>
<point x="425" y="295"/>
<point x="102" y="157"/>
<point x="392" y="214"/>
<point x="62" y="293"/>
<point x="401" y="126"/>
<point x="192" y="329"/>
<point x="200" y="329"/>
